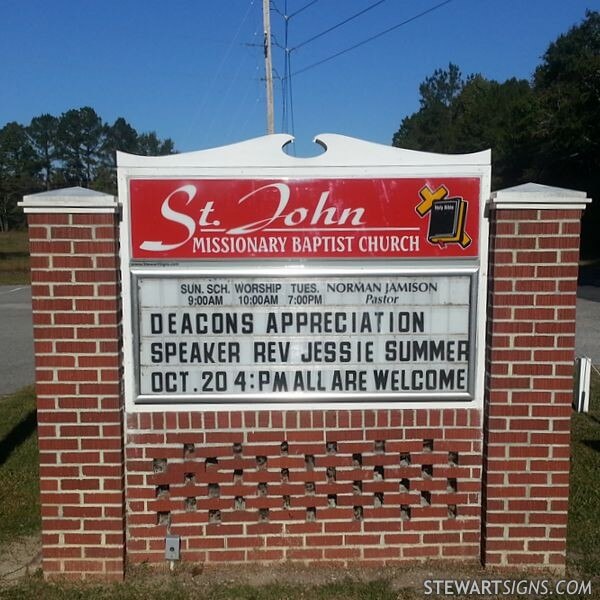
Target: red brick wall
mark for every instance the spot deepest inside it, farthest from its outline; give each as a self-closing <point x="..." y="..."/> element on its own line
<point x="341" y="486"/>
<point x="531" y="340"/>
<point x="76" y="316"/>
<point x="337" y="486"/>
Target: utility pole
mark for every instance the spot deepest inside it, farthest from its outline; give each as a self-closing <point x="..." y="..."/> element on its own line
<point x="268" y="66"/>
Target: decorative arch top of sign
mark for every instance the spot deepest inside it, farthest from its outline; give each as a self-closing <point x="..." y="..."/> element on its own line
<point x="340" y="151"/>
<point x="253" y="276"/>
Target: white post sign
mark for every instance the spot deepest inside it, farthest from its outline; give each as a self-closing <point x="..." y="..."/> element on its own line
<point x="251" y="276"/>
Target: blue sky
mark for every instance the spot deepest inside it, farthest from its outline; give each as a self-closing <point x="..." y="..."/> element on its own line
<point x="192" y="69"/>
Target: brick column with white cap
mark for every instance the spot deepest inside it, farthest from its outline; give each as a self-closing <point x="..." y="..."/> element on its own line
<point x="534" y="252"/>
<point x="76" y="301"/>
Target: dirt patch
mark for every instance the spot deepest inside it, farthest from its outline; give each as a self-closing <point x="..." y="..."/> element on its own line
<point x="408" y="576"/>
<point x="21" y="557"/>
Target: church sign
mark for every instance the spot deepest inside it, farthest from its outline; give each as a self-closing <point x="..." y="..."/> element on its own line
<point x="267" y="285"/>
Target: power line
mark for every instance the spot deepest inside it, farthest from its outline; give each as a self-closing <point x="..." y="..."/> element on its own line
<point x="373" y="37"/>
<point x="358" y="14"/>
<point x="301" y="9"/>
<point x="223" y="96"/>
<point x="274" y="8"/>
<point x="208" y="89"/>
<point x="243" y="110"/>
<point x="242" y="104"/>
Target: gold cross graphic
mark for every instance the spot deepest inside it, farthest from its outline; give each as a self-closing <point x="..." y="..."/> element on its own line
<point x="428" y="197"/>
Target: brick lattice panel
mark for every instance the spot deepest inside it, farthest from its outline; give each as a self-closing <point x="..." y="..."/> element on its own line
<point x="336" y="486"/>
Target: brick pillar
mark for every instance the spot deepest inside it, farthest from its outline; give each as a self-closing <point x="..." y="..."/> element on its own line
<point x="73" y="237"/>
<point x="534" y="250"/>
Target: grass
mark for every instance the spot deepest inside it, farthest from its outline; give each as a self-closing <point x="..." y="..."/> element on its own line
<point x="584" y="513"/>
<point x="14" y="257"/>
<point x="176" y="588"/>
<point x="19" y="487"/>
<point x="19" y="507"/>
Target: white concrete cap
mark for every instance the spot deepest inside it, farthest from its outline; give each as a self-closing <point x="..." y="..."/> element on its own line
<point x="69" y="200"/>
<point x="537" y="196"/>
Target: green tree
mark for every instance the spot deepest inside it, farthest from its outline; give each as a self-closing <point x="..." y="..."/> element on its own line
<point x="18" y="173"/>
<point x="42" y="132"/>
<point x="460" y="115"/>
<point x="546" y="131"/>
<point x="119" y="136"/>
<point x="432" y="127"/>
<point x="149" y="144"/>
<point x="567" y="87"/>
<point x="442" y="88"/>
<point x="77" y="148"/>
<point x="500" y="116"/>
<point x="81" y="134"/>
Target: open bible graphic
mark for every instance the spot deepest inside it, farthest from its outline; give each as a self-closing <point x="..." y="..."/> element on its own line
<point x="447" y="216"/>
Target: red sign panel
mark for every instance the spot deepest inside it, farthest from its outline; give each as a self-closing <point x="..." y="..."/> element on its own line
<point x="317" y="218"/>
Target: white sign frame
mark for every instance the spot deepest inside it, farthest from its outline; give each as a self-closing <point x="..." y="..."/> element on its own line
<point x="263" y="158"/>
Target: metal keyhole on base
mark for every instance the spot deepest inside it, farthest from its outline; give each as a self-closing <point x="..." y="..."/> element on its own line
<point x="172" y="546"/>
